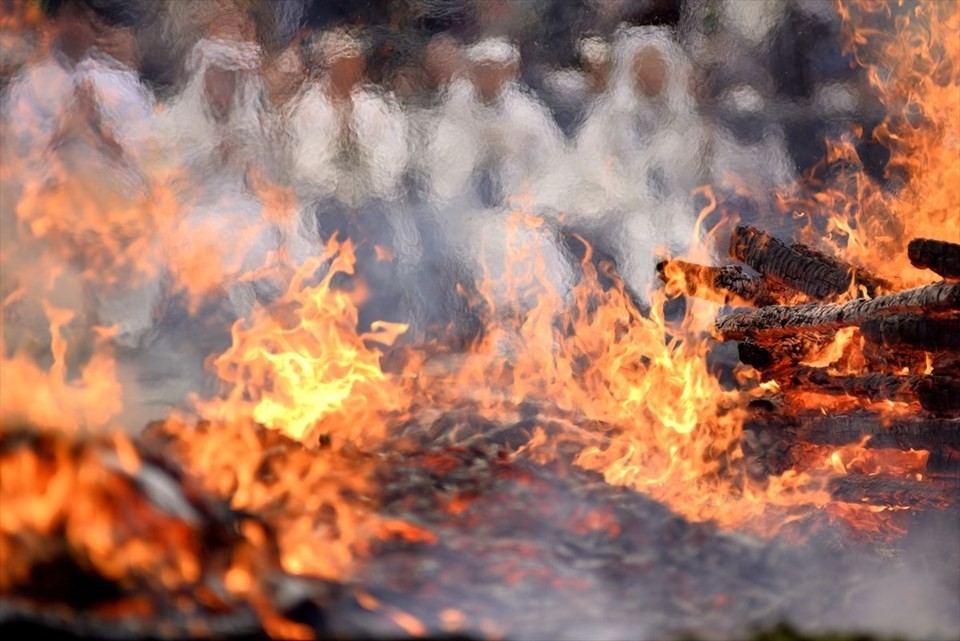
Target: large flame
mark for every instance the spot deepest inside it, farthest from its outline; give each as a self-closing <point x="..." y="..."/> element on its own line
<point x="300" y="365"/>
<point x="910" y="55"/>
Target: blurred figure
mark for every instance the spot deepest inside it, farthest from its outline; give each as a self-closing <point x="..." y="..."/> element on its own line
<point x="79" y="128"/>
<point x="349" y="141"/>
<point x="350" y="149"/>
<point x="42" y="91"/>
<point x="571" y="92"/>
<point x="495" y="142"/>
<point x="490" y="150"/>
<point x="640" y="153"/>
<point x="749" y="151"/>
<point x="643" y="140"/>
<point x="216" y="118"/>
<point x="219" y="150"/>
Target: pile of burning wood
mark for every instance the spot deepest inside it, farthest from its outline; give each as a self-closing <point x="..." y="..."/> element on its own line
<point x="878" y="362"/>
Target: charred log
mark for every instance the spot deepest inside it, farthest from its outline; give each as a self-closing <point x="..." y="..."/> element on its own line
<point x="914" y="331"/>
<point x="885" y="359"/>
<point x="807" y="272"/>
<point x="892" y="492"/>
<point x="936" y="255"/>
<point x="940" y="394"/>
<point x="871" y="283"/>
<point x="726" y="284"/>
<point x="873" y="386"/>
<point x="904" y="432"/>
<point x="936" y="394"/>
<point x="783" y="320"/>
<point x="772" y="356"/>
<point x="944" y="460"/>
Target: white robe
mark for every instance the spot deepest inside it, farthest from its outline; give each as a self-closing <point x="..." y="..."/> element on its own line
<point x="376" y="156"/>
<point x="190" y="135"/>
<point x="637" y="161"/>
<point x="516" y="131"/>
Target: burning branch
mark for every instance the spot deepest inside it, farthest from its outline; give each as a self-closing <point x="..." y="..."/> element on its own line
<point x="800" y="267"/>
<point x="784" y="320"/>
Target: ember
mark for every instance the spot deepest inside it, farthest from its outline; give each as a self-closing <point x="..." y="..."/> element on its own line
<point x="332" y="327"/>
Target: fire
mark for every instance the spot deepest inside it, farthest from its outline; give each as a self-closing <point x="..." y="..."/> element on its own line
<point x="911" y="58"/>
<point x="51" y="397"/>
<point x="300" y="366"/>
<point x="308" y="409"/>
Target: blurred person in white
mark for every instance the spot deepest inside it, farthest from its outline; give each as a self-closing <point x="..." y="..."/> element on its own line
<point x="573" y="91"/>
<point x="447" y="97"/>
<point x="733" y="39"/>
<point x="498" y="140"/>
<point x="217" y="117"/>
<point x="488" y="153"/>
<point x="41" y="94"/>
<point x="749" y="151"/>
<point x="350" y="147"/>
<point x="219" y="152"/>
<point x="640" y="154"/>
<point x="79" y="124"/>
<point x="349" y="140"/>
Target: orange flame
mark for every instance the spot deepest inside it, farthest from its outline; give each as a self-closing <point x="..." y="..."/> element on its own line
<point x="301" y="367"/>
<point x="911" y="58"/>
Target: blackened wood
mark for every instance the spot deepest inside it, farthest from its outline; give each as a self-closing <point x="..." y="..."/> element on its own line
<point x="804" y="272"/>
<point x="887" y="359"/>
<point x="936" y="255"/>
<point x="903" y="432"/>
<point x="771" y="356"/>
<point x="914" y="331"/>
<point x="872" y="283"/>
<point x="892" y="491"/>
<point x="944" y="460"/>
<point x="940" y="394"/>
<point x="874" y="386"/>
<point x="726" y="284"/>
<point x="946" y="364"/>
<point x="785" y="320"/>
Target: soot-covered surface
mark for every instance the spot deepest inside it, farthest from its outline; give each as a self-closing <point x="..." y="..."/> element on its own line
<point x="518" y="549"/>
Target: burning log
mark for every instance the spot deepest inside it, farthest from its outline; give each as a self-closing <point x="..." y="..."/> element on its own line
<point x="903" y="432"/>
<point x="872" y="284"/>
<point x="726" y="284"/>
<point x="167" y="537"/>
<point x="806" y="270"/>
<point x="941" y="393"/>
<point x="914" y="331"/>
<point x="772" y="356"/>
<point x="891" y="492"/>
<point x="785" y="320"/>
<point x="936" y="255"/>
<point x="944" y="459"/>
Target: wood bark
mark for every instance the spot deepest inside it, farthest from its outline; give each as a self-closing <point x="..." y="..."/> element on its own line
<point x="940" y="394"/>
<point x="804" y="272"/>
<point x="872" y="283"/>
<point x="784" y="320"/>
<point x="914" y="331"/>
<point x="874" y="386"/>
<point x="938" y="256"/>
<point x="891" y="491"/>
<point x="903" y="432"/>
<point x="772" y="356"/>
<point x="727" y="284"/>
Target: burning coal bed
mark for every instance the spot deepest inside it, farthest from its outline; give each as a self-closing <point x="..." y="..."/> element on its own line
<point x="570" y="449"/>
<point x="462" y="524"/>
